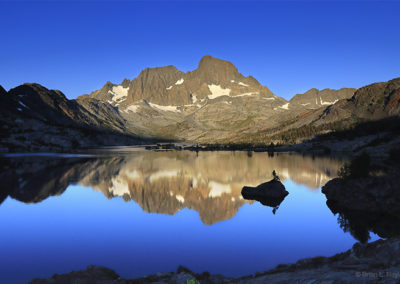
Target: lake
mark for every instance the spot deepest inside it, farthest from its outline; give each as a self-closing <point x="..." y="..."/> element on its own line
<point x="141" y="212"/>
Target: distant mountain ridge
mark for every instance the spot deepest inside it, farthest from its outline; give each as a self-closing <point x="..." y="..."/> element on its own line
<point x="372" y="102"/>
<point x="315" y="98"/>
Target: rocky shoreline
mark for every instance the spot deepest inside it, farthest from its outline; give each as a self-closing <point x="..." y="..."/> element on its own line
<point x="377" y="261"/>
<point x="374" y="194"/>
<point x="376" y="145"/>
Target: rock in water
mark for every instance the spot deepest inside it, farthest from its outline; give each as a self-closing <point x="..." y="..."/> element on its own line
<point x="270" y="193"/>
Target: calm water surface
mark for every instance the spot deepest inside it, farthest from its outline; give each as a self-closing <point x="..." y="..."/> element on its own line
<point x="142" y="212"/>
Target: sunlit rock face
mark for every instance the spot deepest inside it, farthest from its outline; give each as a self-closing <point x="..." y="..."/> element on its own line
<point x="314" y="98"/>
<point x="210" y="103"/>
<point x="166" y="182"/>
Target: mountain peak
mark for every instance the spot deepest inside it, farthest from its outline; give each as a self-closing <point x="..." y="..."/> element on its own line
<point x="125" y="83"/>
<point x="215" y="71"/>
<point x="211" y="62"/>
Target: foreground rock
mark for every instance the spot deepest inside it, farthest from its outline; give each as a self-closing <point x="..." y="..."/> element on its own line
<point x="376" y="261"/>
<point x="378" y="194"/>
<point x="270" y="193"/>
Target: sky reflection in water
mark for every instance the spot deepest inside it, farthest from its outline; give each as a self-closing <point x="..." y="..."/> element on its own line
<point x="81" y="227"/>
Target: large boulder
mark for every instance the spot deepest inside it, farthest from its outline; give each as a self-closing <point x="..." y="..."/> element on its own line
<point x="270" y="193"/>
<point x="378" y="194"/>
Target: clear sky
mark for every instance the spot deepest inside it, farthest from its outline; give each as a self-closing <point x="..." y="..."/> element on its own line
<point x="289" y="47"/>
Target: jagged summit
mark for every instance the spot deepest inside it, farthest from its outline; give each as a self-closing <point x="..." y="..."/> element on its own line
<point x="125" y="83"/>
<point x="168" y="86"/>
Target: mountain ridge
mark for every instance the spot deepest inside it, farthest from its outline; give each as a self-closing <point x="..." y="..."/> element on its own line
<point x="211" y="104"/>
<point x="34" y="118"/>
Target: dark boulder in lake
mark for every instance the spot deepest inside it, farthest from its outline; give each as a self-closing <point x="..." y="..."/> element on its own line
<point x="270" y="193"/>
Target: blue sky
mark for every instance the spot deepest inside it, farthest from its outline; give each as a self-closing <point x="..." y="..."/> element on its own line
<point x="289" y="47"/>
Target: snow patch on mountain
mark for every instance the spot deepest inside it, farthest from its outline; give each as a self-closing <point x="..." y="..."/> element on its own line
<point x="217" y="91"/>
<point x="327" y="103"/>
<point x="165" y="108"/>
<point x="247" y="94"/>
<point x="243" y="84"/>
<point x="285" y="106"/>
<point x="179" y="82"/>
<point x="119" y="93"/>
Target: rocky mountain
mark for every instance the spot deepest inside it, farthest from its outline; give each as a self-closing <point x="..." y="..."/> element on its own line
<point x="207" y="104"/>
<point x="34" y="118"/>
<point x="315" y="98"/>
<point x="372" y="102"/>
<point x="210" y="104"/>
<point x="375" y="102"/>
<point x="52" y="106"/>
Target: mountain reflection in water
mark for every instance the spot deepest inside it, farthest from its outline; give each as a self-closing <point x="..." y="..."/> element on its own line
<point x="163" y="182"/>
